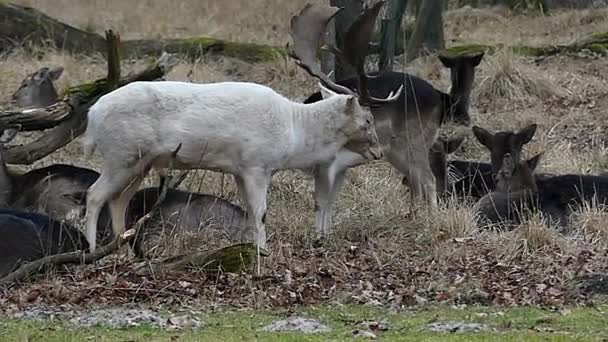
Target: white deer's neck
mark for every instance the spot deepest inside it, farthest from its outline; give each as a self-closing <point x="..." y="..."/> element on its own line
<point x="317" y="133"/>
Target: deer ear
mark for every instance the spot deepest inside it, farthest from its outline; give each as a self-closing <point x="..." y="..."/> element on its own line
<point x="9" y="134"/>
<point x="533" y="162"/>
<point x="453" y="144"/>
<point x="447" y="62"/>
<point x="525" y="135"/>
<point x="55" y="73"/>
<point x="483" y="136"/>
<point x="350" y="104"/>
<point x="507" y="162"/>
<point x="40" y="75"/>
<point x="475" y="60"/>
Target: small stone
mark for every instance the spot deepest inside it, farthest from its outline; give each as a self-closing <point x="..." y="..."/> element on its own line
<point x="300" y="324"/>
<point x="453" y="327"/>
<point x="383" y="325"/>
<point x="364" y="334"/>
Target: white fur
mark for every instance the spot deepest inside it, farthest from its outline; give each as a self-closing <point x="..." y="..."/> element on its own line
<point x="245" y="129"/>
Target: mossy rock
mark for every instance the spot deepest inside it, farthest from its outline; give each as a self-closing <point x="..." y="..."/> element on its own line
<point x="233" y="258"/>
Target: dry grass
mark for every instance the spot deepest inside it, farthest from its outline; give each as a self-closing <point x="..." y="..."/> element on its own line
<point x="537" y="235"/>
<point x="504" y="77"/>
<point x="373" y="207"/>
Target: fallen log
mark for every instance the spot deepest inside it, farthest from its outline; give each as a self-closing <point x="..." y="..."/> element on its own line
<point x="67" y="118"/>
<point x="21" y="26"/>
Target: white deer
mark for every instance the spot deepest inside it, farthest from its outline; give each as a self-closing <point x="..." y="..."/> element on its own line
<point x="245" y="129"/>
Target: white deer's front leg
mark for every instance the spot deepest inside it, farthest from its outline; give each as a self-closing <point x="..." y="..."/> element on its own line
<point x="328" y="181"/>
<point x="253" y="186"/>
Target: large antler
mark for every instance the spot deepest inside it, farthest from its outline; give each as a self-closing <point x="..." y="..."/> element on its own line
<point x="307" y="28"/>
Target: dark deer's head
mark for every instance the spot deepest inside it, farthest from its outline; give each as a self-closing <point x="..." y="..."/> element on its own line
<point x="517" y="176"/>
<point x="462" y="75"/>
<point x="37" y="89"/>
<point x="501" y="143"/>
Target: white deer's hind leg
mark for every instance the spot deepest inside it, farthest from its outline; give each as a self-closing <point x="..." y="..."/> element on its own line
<point x="328" y="181"/>
<point x="253" y="186"/>
<point x="119" y="204"/>
<point x="112" y="181"/>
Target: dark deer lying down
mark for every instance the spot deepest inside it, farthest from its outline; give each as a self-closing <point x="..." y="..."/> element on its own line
<point x="30" y="236"/>
<point x="182" y="213"/>
<point x="461" y="178"/>
<point x="556" y="197"/>
<point x="37" y="89"/>
<point x="406" y="127"/>
<point x="53" y="190"/>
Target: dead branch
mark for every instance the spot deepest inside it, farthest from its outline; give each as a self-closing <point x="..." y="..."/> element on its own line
<point x="31" y="268"/>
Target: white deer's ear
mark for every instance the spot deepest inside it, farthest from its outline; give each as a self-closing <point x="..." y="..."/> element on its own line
<point x="326" y="92"/>
<point x="350" y="104"/>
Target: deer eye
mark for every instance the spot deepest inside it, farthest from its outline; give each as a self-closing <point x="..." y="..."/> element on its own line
<point x="369" y="122"/>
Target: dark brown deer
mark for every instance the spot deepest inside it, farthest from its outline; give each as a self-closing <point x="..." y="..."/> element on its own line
<point x="461" y="178"/>
<point x="555" y="196"/>
<point x="407" y="127"/>
<point x="54" y="190"/>
<point x="37" y="89"/>
<point x="30" y="236"/>
<point x="183" y="213"/>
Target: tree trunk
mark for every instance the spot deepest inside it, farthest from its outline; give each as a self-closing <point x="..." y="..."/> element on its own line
<point x="22" y="26"/>
<point x="342" y="22"/>
<point x="390" y="31"/>
<point x="428" y="31"/>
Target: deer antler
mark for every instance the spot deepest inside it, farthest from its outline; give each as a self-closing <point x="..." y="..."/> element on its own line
<point x="356" y="49"/>
<point x="307" y="28"/>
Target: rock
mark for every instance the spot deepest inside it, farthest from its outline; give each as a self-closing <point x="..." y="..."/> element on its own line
<point x="364" y="334"/>
<point x="300" y="324"/>
<point x="183" y="322"/>
<point x="453" y="327"/>
<point x="383" y="325"/>
<point x="117" y="318"/>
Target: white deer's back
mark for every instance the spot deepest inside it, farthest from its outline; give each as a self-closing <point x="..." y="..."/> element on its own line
<point x="227" y="122"/>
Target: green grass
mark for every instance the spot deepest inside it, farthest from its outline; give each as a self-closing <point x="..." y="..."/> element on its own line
<point x="517" y="324"/>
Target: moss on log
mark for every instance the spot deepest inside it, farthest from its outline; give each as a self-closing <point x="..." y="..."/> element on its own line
<point x="234" y="258"/>
<point x="597" y="43"/>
